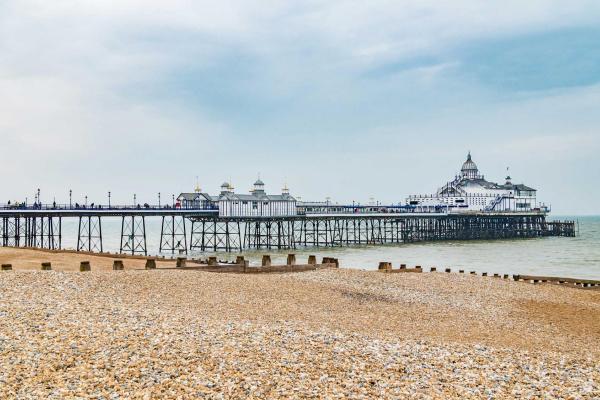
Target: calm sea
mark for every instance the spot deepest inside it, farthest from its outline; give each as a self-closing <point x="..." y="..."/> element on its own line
<point x="557" y="256"/>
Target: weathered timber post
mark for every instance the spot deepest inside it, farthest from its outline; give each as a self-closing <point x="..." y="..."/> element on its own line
<point x="496" y="276"/>
<point x="118" y="265"/>
<point x="312" y="260"/>
<point x="433" y="269"/>
<point x="385" y="266"/>
<point x="6" y="267"/>
<point x="484" y="274"/>
<point x="473" y="273"/>
<point x="402" y="266"/>
<point x="85" y="266"/>
<point x="448" y="270"/>
<point x="239" y="260"/>
<point x="266" y="260"/>
<point x="46" y="266"/>
<point x="150" y="263"/>
<point x="291" y="259"/>
<point x="181" y="262"/>
<point x="212" y="261"/>
<point x="461" y="271"/>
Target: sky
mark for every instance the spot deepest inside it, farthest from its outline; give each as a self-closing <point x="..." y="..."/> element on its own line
<point x="350" y="100"/>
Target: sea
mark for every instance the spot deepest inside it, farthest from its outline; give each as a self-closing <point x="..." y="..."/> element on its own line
<point x="577" y="257"/>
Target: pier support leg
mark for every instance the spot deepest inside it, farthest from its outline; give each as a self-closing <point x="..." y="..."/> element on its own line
<point x="133" y="235"/>
<point x="89" y="237"/>
<point x="173" y="235"/>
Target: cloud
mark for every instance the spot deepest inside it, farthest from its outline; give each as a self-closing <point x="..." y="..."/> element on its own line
<point x="148" y="93"/>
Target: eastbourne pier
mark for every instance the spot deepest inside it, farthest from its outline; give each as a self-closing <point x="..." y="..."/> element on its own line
<point x="468" y="207"/>
<point x="184" y="229"/>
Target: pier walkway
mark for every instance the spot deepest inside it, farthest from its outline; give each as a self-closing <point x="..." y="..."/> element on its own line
<point x="184" y="229"/>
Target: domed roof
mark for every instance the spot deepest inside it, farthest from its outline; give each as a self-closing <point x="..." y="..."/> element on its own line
<point x="259" y="183"/>
<point x="225" y="185"/>
<point x="469" y="165"/>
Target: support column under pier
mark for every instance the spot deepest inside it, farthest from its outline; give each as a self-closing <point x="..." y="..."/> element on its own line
<point x="133" y="234"/>
<point x="89" y="234"/>
<point x="173" y="235"/>
<point x="212" y="234"/>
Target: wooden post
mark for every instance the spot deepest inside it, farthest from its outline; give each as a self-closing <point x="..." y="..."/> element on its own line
<point x="6" y="267"/>
<point x="150" y="263"/>
<point x="212" y="261"/>
<point x="433" y="269"/>
<point x="473" y="273"/>
<point x="266" y="260"/>
<point x="312" y="260"/>
<point x="402" y="266"/>
<point x="85" y="266"/>
<point x="461" y="271"/>
<point x="181" y="262"/>
<point x="385" y="266"/>
<point x="291" y="259"/>
<point x="239" y="260"/>
<point x="46" y="266"/>
<point x="448" y="270"/>
<point x="118" y="265"/>
<point x="484" y="274"/>
<point x="505" y="276"/>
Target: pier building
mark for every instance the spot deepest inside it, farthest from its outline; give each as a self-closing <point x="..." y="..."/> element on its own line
<point x="470" y="191"/>
<point x="257" y="203"/>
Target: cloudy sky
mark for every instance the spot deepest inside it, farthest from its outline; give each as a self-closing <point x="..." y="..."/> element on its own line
<point x="346" y="99"/>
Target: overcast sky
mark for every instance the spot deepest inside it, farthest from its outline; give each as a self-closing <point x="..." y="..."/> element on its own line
<point x="346" y="99"/>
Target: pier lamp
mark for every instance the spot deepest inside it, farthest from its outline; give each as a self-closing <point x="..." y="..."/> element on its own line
<point x="173" y="201"/>
<point x="108" y="199"/>
<point x="158" y="199"/>
<point x="38" y="195"/>
<point x="86" y="200"/>
<point x="134" y="199"/>
<point x="70" y="198"/>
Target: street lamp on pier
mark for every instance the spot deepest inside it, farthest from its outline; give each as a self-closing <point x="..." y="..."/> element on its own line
<point x="38" y="196"/>
<point x="108" y="199"/>
<point x="173" y="201"/>
<point x="158" y="199"/>
<point x="86" y="200"/>
<point x="134" y="199"/>
<point x="70" y="198"/>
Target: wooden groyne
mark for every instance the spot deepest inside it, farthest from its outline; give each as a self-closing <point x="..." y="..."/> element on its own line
<point x="386" y="266"/>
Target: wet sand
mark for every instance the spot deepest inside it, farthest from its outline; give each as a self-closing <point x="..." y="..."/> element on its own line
<point x="333" y="333"/>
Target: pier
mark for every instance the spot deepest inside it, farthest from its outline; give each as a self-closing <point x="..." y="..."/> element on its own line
<point x="184" y="229"/>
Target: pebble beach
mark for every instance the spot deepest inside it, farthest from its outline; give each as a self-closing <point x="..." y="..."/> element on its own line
<point x="336" y="333"/>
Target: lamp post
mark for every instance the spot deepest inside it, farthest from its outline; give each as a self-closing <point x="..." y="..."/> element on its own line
<point x="158" y="199"/>
<point x="70" y="198"/>
<point x="134" y="200"/>
<point x="38" y="196"/>
<point x="86" y="200"/>
<point x="108" y="199"/>
<point x="173" y="201"/>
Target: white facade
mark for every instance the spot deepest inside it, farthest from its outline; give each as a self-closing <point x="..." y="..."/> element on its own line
<point x="255" y="204"/>
<point x="469" y="191"/>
